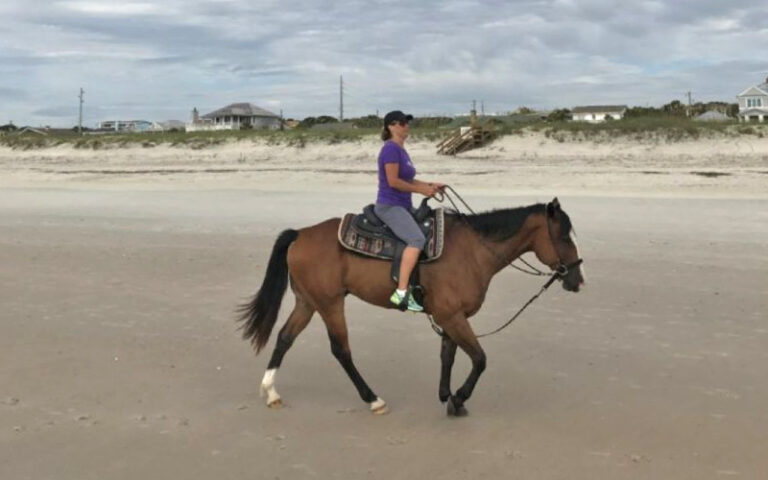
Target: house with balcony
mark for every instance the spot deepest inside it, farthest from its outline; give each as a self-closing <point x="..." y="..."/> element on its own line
<point x="753" y="103"/>
<point x="234" y="117"/>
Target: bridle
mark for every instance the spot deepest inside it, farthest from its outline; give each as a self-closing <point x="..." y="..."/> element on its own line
<point x="562" y="268"/>
<point x="558" y="273"/>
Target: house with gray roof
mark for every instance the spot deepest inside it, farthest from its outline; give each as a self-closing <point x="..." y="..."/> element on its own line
<point x="234" y="117"/>
<point x="753" y="103"/>
<point x="598" y="113"/>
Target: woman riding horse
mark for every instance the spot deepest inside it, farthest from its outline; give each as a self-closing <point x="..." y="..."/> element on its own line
<point x="322" y="273"/>
<point x="393" y="202"/>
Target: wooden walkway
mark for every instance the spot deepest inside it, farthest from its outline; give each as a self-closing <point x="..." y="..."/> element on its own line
<point x="464" y="139"/>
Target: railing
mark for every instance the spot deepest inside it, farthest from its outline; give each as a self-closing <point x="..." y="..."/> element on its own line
<point x="460" y="141"/>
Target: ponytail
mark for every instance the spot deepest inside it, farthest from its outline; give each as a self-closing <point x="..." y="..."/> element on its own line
<point x="385" y="133"/>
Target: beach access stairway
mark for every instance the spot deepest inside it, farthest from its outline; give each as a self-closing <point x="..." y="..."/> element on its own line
<point x="463" y="139"/>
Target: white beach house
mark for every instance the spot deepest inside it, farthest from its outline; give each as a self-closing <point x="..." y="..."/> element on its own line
<point x="753" y="103"/>
<point x="598" y="113"/>
<point x="234" y="117"/>
<point x="130" y="126"/>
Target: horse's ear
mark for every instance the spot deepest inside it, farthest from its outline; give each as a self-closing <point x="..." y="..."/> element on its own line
<point x="553" y="207"/>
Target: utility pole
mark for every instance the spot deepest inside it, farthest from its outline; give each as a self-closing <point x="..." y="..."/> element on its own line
<point x="341" y="98"/>
<point x="80" y="116"/>
<point x="690" y="104"/>
<point x="482" y="108"/>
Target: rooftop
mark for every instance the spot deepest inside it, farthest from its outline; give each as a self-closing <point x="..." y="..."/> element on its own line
<point x="599" y="108"/>
<point x="241" y="110"/>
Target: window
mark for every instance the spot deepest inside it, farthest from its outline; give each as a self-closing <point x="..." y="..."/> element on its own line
<point x="754" y="102"/>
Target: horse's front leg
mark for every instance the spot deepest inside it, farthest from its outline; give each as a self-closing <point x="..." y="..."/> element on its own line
<point x="460" y="331"/>
<point x="447" y="356"/>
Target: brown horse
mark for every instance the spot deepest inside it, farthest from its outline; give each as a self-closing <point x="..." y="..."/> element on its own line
<point x="477" y="246"/>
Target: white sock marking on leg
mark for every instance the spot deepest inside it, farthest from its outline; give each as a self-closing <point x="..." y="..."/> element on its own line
<point x="377" y="404"/>
<point x="268" y="386"/>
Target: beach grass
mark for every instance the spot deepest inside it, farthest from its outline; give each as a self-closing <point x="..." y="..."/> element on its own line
<point x="653" y="128"/>
<point x="663" y="128"/>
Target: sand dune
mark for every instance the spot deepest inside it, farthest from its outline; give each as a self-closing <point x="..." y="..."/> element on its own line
<point x="726" y="167"/>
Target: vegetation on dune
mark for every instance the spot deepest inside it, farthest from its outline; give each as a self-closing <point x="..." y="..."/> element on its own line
<point x="195" y="140"/>
<point x="669" y="123"/>
<point x="663" y="128"/>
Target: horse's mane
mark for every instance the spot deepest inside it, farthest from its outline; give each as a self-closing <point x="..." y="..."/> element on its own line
<point x="501" y="224"/>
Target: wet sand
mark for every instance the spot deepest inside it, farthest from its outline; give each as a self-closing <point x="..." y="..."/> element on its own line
<point x="120" y="359"/>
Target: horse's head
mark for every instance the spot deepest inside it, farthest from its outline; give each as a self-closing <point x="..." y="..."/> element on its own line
<point x="556" y="246"/>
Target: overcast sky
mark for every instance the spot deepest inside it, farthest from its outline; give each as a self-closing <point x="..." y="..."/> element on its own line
<point x="157" y="60"/>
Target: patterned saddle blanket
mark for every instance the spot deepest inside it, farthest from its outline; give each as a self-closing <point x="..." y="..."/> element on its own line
<point x="366" y="234"/>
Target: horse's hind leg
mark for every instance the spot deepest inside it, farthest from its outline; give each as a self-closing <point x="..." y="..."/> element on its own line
<point x="337" y="334"/>
<point x="299" y="318"/>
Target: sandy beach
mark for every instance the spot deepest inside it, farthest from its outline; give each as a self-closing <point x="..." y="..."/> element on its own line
<point x="119" y="356"/>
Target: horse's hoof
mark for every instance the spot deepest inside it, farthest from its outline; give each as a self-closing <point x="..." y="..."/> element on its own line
<point x="276" y="404"/>
<point x="456" y="411"/>
<point x="379" y="407"/>
<point x="444" y="397"/>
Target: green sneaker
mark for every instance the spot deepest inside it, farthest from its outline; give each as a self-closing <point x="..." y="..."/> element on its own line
<point x="411" y="303"/>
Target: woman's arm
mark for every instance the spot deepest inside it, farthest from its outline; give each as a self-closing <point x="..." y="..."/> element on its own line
<point x="393" y="169"/>
<point x="436" y="184"/>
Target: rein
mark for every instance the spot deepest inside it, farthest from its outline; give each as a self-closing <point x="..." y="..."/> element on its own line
<point x="535" y="272"/>
<point x="559" y="272"/>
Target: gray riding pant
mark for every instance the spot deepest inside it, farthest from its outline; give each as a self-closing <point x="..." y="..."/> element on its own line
<point x="402" y="224"/>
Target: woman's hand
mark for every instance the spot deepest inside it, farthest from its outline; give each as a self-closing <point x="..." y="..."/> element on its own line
<point x="430" y="189"/>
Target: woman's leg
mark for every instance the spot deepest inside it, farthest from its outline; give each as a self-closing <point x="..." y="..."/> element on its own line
<point x="410" y="257"/>
<point x="401" y="222"/>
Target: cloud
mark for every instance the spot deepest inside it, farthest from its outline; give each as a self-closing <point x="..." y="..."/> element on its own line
<point x="16" y="94"/>
<point x="115" y="9"/>
<point x="62" y="111"/>
<point x="158" y="59"/>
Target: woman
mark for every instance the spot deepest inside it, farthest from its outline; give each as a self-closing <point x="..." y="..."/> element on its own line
<point x="393" y="203"/>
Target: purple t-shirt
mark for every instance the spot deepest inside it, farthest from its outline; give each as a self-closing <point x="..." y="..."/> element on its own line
<point x="394" y="153"/>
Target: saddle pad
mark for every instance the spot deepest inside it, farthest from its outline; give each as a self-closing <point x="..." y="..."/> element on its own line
<point x="383" y="246"/>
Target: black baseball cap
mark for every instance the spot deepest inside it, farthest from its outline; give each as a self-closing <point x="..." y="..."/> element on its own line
<point x="396" y="116"/>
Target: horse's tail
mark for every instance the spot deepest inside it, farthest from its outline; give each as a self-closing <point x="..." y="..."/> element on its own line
<point x="260" y="314"/>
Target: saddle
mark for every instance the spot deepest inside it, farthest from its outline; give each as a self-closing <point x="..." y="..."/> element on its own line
<point x="364" y="233"/>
